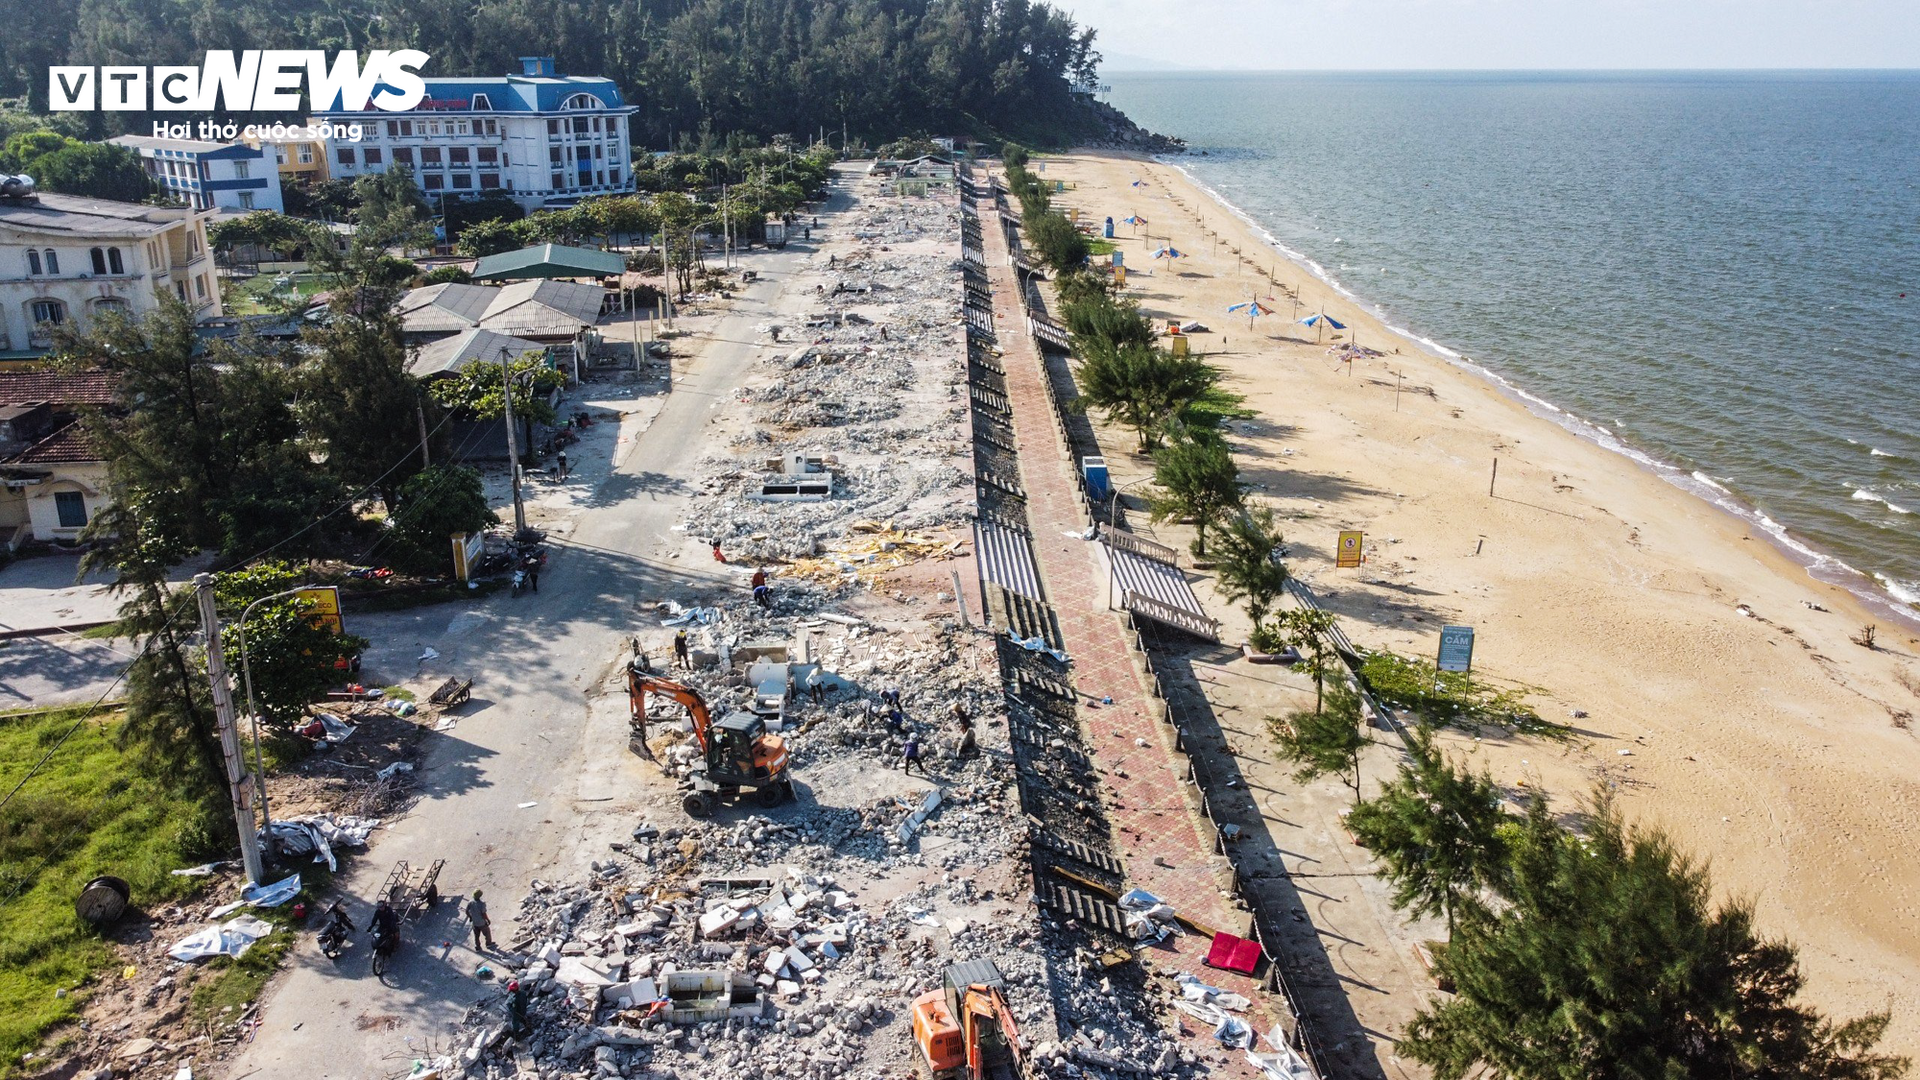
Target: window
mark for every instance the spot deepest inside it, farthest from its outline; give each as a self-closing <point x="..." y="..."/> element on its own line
<point x="490" y="127"/>
<point x="193" y="241"/>
<point x="406" y="128"/>
<point x="246" y="200"/>
<point x="114" y="265"/>
<point x="53" y="260"/>
<point x="456" y="155"/>
<point x="481" y="104"/>
<point x="306" y="153"/>
<point x="599" y="151"/>
<point x="242" y="170"/>
<point x="430" y="156"/>
<point x="110" y="303"/>
<point x="33" y="263"/>
<point x="200" y="286"/>
<point x="459" y="127"/>
<point x="596" y="124"/>
<point x="489" y="155"/>
<point x="71" y="506"/>
<point x="462" y="180"/>
<point x="345" y="154"/>
<point x="180" y="287"/>
<point x="580" y="154"/>
<point x="579" y="125"/>
<point x="554" y="155"/>
<point x="47" y="311"/>
<point x="432" y="126"/>
<point x="372" y="155"/>
<point x="279" y="155"/>
<point x="403" y="155"/>
<point x="559" y="181"/>
<point x="433" y="181"/>
<point x="489" y="181"/>
<point x="613" y="176"/>
<point x="393" y="129"/>
<point x="553" y="127"/>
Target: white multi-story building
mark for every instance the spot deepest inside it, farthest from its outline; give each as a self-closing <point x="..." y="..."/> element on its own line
<point x="210" y="175"/>
<point x="64" y="259"/>
<point x="541" y="138"/>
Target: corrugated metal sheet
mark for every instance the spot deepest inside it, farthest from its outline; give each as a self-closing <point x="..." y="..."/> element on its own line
<point x="1006" y="560"/>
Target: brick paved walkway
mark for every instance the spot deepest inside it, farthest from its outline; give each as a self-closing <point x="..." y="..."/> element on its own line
<point x="1165" y="844"/>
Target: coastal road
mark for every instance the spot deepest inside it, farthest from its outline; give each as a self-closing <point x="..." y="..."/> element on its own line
<point x="539" y="731"/>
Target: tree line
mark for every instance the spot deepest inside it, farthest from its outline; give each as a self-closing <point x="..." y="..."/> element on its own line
<point x="697" y="68"/>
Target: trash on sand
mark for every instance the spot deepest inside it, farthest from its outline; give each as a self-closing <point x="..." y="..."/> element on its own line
<point x="320" y="834"/>
<point x="524" y="805"/>
<point x="397" y="767"/>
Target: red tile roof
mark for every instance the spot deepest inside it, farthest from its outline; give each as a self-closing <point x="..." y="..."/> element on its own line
<point x="70" y="445"/>
<point x="57" y="387"/>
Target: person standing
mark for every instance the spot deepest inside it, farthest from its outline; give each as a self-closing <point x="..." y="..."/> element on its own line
<point x="482" y="925"/>
<point x="680" y="649"/>
<point x="910" y="757"/>
<point x="563" y="464"/>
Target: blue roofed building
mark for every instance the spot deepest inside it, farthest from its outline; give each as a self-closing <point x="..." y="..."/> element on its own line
<point x="209" y="175"/>
<point x="541" y="138"/>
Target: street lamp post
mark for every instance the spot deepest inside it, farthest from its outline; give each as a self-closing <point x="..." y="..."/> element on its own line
<point x="246" y="676"/>
<point x="513" y="445"/>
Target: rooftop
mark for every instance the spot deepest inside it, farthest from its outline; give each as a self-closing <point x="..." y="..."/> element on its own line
<point x="74" y="215"/>
<point x="453" y="353"/>
<point x="189" y="146"/>
<point x="67" y="446"/>
<point x="537" y="308"/>
<point x="550" y="261"/>
<point x="57" y="387"/>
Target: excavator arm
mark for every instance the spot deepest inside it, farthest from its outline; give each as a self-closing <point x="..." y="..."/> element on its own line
<point x="986" y="1004"/>
<point x="640" y="684"/>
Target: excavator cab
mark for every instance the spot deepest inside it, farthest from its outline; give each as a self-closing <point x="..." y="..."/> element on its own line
<point x="965" y="1029"/>
<point x="731" y="762"/>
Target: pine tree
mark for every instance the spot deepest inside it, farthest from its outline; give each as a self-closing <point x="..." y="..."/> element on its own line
<point x="1248" y="565"/>
<point x="1198" y="480"/>
<point x="1326" y="741"/>
<point x="1437" y="830"/>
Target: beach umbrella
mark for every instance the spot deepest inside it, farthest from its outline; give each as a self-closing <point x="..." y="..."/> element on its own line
<point x="1323" y="320"/>
<point x="1253" y="308"/>
<point x="1169" y="253"/>
<point x="1140" y="183"/>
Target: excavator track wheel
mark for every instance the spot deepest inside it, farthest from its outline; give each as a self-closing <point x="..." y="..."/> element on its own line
<point x="772" y="795"/>
<point x="698" y="804"/>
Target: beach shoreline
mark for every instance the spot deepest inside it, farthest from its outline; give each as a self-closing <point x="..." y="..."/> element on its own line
<point x="1878" y="594"/>
<point x="1709" y="682"/>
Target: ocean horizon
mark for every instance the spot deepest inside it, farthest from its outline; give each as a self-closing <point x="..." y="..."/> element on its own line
<point x="1701" y="270"/>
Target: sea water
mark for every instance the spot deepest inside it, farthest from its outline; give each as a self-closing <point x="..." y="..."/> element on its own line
<point x="1717" y="274"/>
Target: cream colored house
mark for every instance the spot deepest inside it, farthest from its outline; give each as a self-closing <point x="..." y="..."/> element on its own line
<point x="65" y="259"/>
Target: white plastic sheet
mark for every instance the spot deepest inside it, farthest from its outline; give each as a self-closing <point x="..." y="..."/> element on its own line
<point x="1193" y="989"/>
<point x="231" y="938"/>
<point x="320" y="834"/>
<point x="1148" y="918"/>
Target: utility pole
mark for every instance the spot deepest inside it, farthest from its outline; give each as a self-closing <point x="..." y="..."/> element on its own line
<point x="513" y="445"/>
<point x="420" y="414"/>
<point x="237" y="779"/>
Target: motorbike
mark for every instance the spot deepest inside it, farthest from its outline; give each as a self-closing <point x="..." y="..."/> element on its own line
<point x="371" y="573"/>
<point x="384" y="946"/>
<point x="519" y="579"/>
<point x="333" y="940"/>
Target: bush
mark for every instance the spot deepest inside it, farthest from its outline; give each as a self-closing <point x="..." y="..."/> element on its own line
<point x="1060" y="244"/>
<point x="1442" y="698"/>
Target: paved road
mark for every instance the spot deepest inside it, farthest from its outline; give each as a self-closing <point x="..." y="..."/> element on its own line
<point x="539" y="731"/>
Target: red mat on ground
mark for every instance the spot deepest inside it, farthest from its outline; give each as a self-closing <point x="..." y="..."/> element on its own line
<point x="1233" y="953"/>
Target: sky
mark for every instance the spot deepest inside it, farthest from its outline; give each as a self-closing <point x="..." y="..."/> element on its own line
<point x="1502" y="34"/>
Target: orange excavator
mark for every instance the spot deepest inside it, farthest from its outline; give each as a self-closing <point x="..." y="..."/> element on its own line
<point x="965" y="1029"/>
<point x="736" y="753"/>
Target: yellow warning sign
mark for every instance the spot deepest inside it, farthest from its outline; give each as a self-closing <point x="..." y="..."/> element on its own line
<point x="1351" y="551"/>
<point x="322" y="605"/>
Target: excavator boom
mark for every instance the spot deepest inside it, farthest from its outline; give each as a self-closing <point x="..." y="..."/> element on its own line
<point x="640" y="684"/>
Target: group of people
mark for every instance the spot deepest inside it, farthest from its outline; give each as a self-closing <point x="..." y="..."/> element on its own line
<point x="912" y="755"/>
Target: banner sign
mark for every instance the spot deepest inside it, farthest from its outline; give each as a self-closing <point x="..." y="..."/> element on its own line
<point x="1456" y="648"/>
<point x="1350" y="551"/>
<point x="322" y="606"/>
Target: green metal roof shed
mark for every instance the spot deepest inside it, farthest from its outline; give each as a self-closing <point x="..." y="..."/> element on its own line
<point x="549" y="261"/>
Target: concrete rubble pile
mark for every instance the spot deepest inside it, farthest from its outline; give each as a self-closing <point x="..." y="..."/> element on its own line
<point x="873" y="379"/>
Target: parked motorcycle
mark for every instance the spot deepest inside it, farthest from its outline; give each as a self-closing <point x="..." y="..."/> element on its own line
<point x="519" y="579"/>
<point x="334" y="935"/>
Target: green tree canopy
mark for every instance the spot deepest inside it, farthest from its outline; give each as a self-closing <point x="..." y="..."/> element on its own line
<point x="1612" y="960"/>
<point x="1198" y="481"/>
<point x="1248" y="564"/>
<point x="291" y="657"/>
<point x="434" y="505"/>
<point x="94" y="170"/>
<point x="359" y="404"/>
<point x="1436" y="828"/>
<point x="477" y="390"/>
<point x="1326" y="741"/>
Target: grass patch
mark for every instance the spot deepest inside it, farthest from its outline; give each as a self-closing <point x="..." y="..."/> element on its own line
<point x="104" y="631"/>
<point x="1451" y="698"/>
<point x="1100" y="245"/>
<point x="400" y="692"/>
<point x="87" y="812"/>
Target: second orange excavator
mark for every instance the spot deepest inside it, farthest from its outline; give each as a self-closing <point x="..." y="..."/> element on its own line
<point x="965" y="1029"/>
<point x="736" y="754"/>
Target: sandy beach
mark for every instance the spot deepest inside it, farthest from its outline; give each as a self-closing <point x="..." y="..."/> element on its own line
<point x="1707" y="677"/>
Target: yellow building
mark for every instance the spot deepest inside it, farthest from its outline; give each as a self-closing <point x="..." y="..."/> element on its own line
<point x="300" y="161"/>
